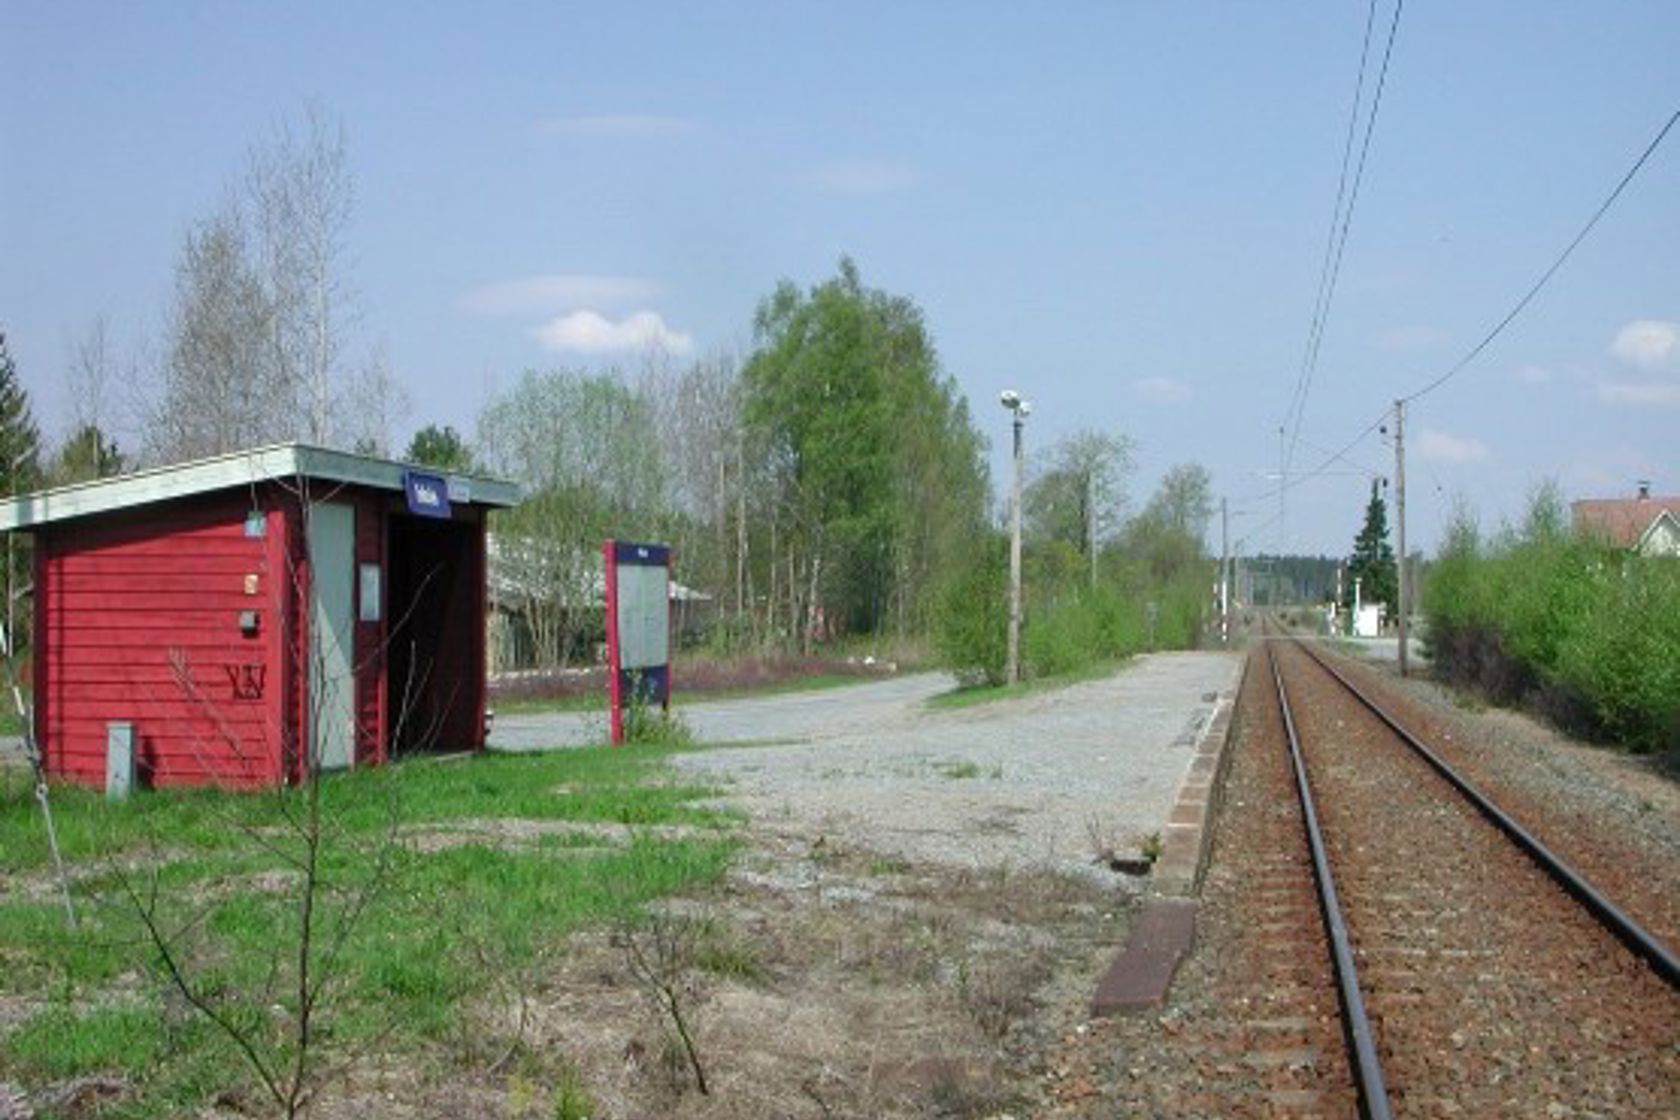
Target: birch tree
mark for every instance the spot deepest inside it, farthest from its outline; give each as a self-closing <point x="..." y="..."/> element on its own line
<point x="259" y="340"/>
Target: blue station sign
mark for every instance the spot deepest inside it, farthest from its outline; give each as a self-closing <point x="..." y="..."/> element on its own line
<point x="428" y="494"/>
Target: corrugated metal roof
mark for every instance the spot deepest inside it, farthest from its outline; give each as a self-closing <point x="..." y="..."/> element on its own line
<point x="240" y="468"/>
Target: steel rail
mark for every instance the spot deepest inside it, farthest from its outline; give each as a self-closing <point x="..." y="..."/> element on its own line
<point x="1663" y="960"/>
<point x="1368" y="1074"/>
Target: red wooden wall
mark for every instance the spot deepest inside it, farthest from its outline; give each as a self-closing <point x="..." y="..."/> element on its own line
<point x="137" y="619"/>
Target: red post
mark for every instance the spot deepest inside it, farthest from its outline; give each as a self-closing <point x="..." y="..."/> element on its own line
<point x="615" y="701"/>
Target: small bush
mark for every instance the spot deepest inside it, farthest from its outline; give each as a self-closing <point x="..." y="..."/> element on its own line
<point x="971" y="626"/>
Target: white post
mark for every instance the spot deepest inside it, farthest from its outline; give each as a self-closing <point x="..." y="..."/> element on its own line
<point x="1014" y="667"/>
<point x="1404" y="597"/>
<point x="1224" y="572"/>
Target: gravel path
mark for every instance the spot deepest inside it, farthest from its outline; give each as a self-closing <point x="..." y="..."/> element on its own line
<point x="788" y="717"/>
<point x="1041" y="782"/>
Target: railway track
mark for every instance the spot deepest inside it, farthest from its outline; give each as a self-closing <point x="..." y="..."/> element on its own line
<point x="1474" y="973"/>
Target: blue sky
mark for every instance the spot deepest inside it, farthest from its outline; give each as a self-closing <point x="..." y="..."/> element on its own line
<point x="1117" y="208"/>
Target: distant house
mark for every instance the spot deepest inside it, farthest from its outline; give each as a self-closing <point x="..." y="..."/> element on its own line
<point x="1647" y="525"/>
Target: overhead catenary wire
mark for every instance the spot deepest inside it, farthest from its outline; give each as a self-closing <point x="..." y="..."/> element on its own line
<point x="1545" y="277"/>
<point x="1341" y="222"/>
<point x="1290" y="481"/>
<point x="1295" y="397"/>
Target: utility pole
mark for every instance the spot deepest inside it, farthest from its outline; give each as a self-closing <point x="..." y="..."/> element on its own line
<point x="1224" y="572"/>
<point x="1400" y="520"/>
<point x="1019" y="410"/>
<point x="1283" y="487"/>
<point x="1091" y="520"/>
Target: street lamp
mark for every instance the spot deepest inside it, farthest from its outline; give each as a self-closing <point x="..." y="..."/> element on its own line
<point x="1019" y="411"/>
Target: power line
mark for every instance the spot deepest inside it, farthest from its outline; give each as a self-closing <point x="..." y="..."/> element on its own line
<point x="1335" y="214"/>
<point x="1546" y="276"/>
<point x="1339" y="237"/>
<point x="1290" y="482"/>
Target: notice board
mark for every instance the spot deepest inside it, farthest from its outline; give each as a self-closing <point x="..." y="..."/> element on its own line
<point x="638" y="609"/>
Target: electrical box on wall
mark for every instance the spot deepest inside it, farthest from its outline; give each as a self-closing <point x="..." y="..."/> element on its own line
<point x="248" y="622"/>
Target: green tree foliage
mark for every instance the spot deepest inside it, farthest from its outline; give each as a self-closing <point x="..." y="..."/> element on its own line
<point x="971" y="630"/>
<point x="20" y="471"/>
<point x="583" y="447"/>
<point x="20" y="439"/>
<point x="441" y="447"/>
<point x="1184" y="502"/>
<point x="1080" y="497"/>
<point x="1152" y="591"/>
<point x="1588" y="633"/>
<point x="85" y="456"/>
<point x="1372" y="562"/>
<point x="876" y="471"/>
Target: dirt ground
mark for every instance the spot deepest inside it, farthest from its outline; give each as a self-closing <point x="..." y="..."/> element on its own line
<point x="819" y="981"/>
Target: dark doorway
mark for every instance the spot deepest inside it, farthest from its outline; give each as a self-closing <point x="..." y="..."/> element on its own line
<point x="434" y="667"/>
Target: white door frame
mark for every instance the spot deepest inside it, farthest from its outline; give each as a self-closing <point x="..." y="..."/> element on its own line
<point x="331" y="734"/>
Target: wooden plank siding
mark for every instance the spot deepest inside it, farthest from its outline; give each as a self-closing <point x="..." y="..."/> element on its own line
<point x="138" y="620"/>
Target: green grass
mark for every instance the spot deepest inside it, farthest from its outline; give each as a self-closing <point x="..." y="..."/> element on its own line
<point x="968" y="696"/>
<point x="60" y="1042"/>
<point x="456" y="916"/>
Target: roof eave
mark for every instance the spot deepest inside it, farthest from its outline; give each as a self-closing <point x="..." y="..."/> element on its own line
<point x="227" y="472"/>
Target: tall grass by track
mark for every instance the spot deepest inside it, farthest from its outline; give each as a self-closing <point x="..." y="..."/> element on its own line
<point x="1587" y="634"/>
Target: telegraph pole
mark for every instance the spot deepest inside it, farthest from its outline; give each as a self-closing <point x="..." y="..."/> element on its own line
<point x="1091" y="519"/>
<point x="1283" y="487"/>
<point x="1224" y="572"/>
<point x="1400" y="520"/>
<point x="1019" y="410"/>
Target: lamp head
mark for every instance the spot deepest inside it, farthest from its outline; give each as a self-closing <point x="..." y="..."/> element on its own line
<point x="1010" y="399"/>
<point x="1025" y="410"/>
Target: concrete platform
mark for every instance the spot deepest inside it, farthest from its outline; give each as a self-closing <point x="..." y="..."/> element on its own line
<point x="1046" y="781"/>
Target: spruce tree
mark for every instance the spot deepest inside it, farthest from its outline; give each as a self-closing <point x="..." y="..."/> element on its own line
<point x="20" y="471"/>
<point x="20" y="439"/>
<point x="1372" y="562"/>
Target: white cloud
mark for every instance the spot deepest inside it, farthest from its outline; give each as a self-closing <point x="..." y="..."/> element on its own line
<point x="1649" y="344"/>
<point x="1439" y="447"/>
<point x="1533" y="375"/>
<point x="550" y="295"/>
<point x="626" y="125"/>
<point x="862" y="176"/>
<point x="588" y="332"/>
<point x="1162" y="390"/>
<point x="1413" y="338"/>
<point x="1641" y="394"/>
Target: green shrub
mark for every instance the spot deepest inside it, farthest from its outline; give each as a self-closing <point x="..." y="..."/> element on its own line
<point x="971" y="623"/>
<point x="1587" y="633"/>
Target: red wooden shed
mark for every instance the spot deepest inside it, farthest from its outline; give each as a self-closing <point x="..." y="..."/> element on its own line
<point x="253" y="614"/>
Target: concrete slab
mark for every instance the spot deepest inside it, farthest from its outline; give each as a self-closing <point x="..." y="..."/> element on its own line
<point x="1140" y="976"/>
